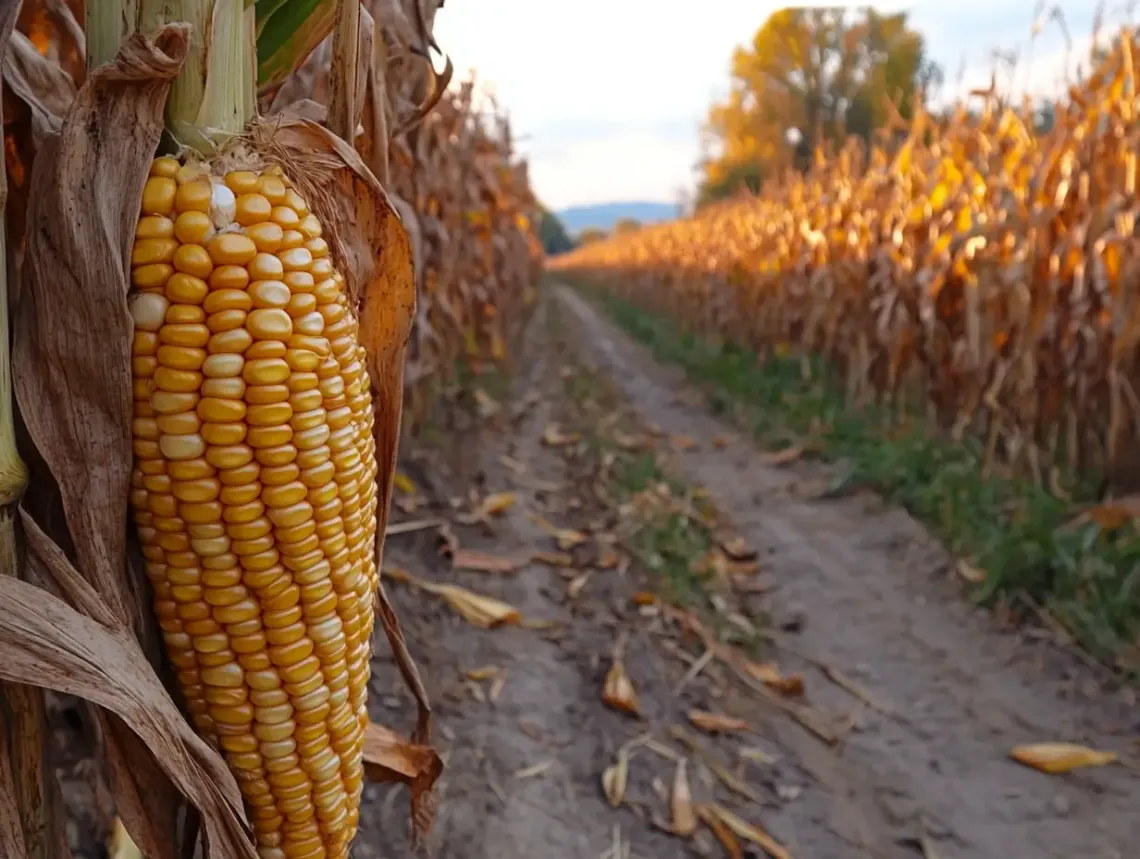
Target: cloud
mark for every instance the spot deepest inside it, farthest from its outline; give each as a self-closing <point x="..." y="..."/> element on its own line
<point x="629" y="165"/>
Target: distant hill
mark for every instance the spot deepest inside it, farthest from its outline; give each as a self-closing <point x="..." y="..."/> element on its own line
<point x="603" y="216"/>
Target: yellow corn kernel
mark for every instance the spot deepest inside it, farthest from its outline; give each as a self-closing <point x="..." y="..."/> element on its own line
<point x="253" y="492"/>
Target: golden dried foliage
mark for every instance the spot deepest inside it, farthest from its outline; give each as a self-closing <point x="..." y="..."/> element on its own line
<point x="969" y="262"/>
<point x="464" y="194"/>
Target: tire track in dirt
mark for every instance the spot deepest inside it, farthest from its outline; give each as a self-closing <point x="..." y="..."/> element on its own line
<point x="877" y="604"/>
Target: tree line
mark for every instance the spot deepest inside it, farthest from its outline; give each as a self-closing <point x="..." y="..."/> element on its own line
<point x="810" y="78"/>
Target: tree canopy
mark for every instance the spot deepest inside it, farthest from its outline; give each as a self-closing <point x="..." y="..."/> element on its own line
<point x="553" y="235"/>
<point x="810" y="77"/>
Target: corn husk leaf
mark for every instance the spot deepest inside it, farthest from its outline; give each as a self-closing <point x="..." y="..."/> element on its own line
<point x="51" y="645"/>
<point x="484" y="562"/>
<point x="567" y="538"/>
<point x="748" y="831"/>
<point x="553" y="436"/>
<point x="969" y="572"/>
<point x="790" y="685"/>
<point x="618" y="691"/>
<point x="575" y="585"/>
<point x="484" y="673"/>
<point x="388" y="757"/>
<point x="1056" y="758"/>
<point x="683" y="814"/>
<point x="786" y="456"/>
<point x="496" y="503"/>
<point x="722" y="833"/>
<point x="615" y="778"/>
<point x="684" y="442"/>
<point x="716" y="723"/>
<point x="477" y="609"/>
<point x="553" y="559"/>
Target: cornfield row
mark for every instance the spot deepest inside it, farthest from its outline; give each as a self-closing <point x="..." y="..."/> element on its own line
<point x="967" y="263"/>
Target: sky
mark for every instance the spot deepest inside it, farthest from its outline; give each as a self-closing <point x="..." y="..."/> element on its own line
<point x="607" y="97"/>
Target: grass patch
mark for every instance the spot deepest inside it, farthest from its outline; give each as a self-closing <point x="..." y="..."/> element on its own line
<point x="659" y="529"/>
<point x="1018" y="533"/>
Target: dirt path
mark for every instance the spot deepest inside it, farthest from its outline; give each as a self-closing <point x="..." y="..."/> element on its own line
<point x="921" y="768"/>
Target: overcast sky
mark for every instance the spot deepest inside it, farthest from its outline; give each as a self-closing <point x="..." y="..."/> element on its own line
<point x="607" y="96"/>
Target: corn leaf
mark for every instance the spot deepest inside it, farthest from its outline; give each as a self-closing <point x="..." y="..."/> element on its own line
<point x="287" y="32"/>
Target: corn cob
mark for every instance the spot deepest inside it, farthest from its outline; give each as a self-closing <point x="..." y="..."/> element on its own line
<point x="254" y="490"/>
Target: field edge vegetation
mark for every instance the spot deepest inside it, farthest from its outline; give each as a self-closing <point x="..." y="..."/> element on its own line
<point x="1038" y="555"/>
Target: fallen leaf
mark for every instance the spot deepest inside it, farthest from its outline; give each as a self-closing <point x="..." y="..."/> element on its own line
<point x="496" y="503"/>
<point x="553" y="436"/>
<point x="618" y="690"/>
<point x="1115" y="514"/>
<point x="721" y="442"/>
<point x="643" y="598"/>
<point x="710" y="760"/>
<point x="567" y="538"/>
<point x="626" y="442"/>
<point x="684" y="816"/>
<point x="388" y="757"/>
<point x="607" y="558"/>
<point x="756" y="755"/>
<point x="497" y="686"/>
<point x="716" y="723"/>
<point x="791" y="685"/>
<point x="485" y="403"/>
<point x="513" y="464"/>
<point x="1055" y="758"/>
<point x="532" y="771"/>
<point x="575" y="585"/>
<point x="744" y="584"/>
<point x="684" y="442"/>
<point x="553" y="559"/>
<point x="614" y="779"/>
<point x="403" y="483"/>
<point x="394" y="528"/>
<point x="483" y="562"/>
<point x="750" y="832"/>
<point x="969" y="572"/>
<point x="723" y="833"/>
<point x="737" y="549"/>
<point x="477" y="609"/>
<point x="484" y="673"/>
<point x="784" y="457"/>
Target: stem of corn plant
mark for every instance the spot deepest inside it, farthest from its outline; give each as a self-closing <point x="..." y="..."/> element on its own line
<point x="216" y="92"/>
<point x="22" y="734"/>
<point x="343" y="86"/>
<point x="108" y="23"/>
